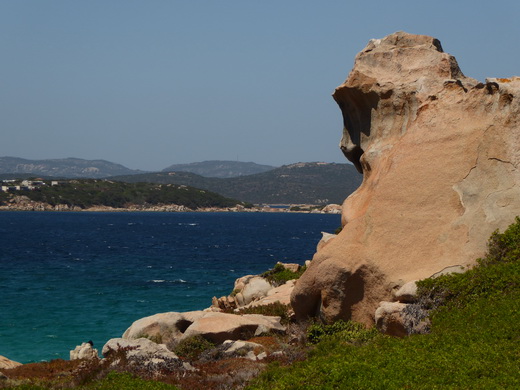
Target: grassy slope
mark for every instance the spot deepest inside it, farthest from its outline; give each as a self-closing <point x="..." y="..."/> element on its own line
<point x="475" y="342"/>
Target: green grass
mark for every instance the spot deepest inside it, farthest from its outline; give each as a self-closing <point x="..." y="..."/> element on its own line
<point x="474" y="344"/>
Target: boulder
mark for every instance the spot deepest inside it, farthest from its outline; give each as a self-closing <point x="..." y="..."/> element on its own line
<point x="280" y="294"/>
<point x="440" y="157"/>
<point x="84" y="351"/>
<point x="241" y="348"/>
<point x="143" y="354"/>
<point x="407" y="293"/>
<point x="7" y="364"/>
<point x="401" y="319"/>
<point x="219" y="327"/>
<point x="255" y="288"/>
<point x="162" y="327"/>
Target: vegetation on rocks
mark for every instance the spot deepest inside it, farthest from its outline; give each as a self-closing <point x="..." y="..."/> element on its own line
<point x="279" y="275"/>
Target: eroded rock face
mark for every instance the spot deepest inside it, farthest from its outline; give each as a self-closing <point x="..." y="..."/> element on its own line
<point x="440" y="155"/>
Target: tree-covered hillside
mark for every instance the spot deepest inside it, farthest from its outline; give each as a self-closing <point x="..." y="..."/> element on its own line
<point x="302" y="183"/>
<point x="91" y="192"/>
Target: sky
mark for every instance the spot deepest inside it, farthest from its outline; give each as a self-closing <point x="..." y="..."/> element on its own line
<point x="152" y="83"/>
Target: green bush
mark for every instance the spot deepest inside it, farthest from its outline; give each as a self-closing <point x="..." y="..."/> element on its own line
<point x="280" y="275"/>
<point x="192" y="347"/>
<point x="346" y="331"/>
<point x="276" y="309"/>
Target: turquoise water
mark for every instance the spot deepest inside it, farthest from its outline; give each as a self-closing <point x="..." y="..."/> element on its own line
<point x="66" y="278"/>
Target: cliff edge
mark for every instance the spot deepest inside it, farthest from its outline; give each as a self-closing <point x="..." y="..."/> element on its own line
<point x="440" y="156"/>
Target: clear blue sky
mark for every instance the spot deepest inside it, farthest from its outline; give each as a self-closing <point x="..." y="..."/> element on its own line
<point x="152" y="83"/>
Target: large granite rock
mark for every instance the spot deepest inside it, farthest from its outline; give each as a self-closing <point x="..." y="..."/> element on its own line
<point x="165" y="328"/>
<point x="162" y="327"/>
<point x="219" y="327"/>
<point x="440" y="155"/>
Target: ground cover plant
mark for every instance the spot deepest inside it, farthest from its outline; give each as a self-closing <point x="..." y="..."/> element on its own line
<point x="279" y="275"/>
<point x="474" y="343"/>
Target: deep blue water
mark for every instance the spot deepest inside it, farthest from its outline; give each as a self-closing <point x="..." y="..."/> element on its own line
<point x="66" y="278"/>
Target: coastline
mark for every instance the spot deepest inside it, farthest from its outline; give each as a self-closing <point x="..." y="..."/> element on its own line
<point x="22" y="203"/>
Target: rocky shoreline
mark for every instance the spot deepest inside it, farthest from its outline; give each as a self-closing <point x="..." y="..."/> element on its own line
<point x="228" y="329"/>
<point x="23" y="203"/>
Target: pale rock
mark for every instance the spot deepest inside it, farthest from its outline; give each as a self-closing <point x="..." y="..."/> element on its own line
<point x="325" y="239"/>
<point x="255" y="288"/>
<point x="440" y="157"/>
<point x="84" y="351"/>
<point x="7" y="363"/>
<point x="407" y="293"/>
<point x="162" y="327"/>
<point x="218" y="327"/>
<point x="280" y="294"/>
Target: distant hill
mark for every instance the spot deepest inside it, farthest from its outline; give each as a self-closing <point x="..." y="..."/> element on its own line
<point x="222" y="169"/>
<point x="301" y="183"/>
<point x="65" y="167"/>
<point x="86" y="193"/>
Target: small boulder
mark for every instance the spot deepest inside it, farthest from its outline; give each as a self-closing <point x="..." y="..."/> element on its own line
<point x="84" y="351"/>
<point x="407" y="293"/>
<point x="401" y="319"/>
<point x="255" y="288"/>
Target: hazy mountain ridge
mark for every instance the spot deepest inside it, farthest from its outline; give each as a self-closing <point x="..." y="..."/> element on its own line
<point x="65" y="167"/>
<point x="220" y="168"/>
<point x="313" y="183"/>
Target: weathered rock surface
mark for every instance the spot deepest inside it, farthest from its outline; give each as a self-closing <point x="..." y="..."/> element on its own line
<point x="84" y="351"/>
<point x="7" y="363"/>
<point x="440" y="156"/>
<point x="164" y="328"/>
<point x="219" y="327"/>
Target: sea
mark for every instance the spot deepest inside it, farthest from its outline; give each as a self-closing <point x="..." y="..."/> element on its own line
<point x="72" y="277"/>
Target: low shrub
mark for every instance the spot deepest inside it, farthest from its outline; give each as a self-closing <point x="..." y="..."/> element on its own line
<point x="192" y="347"/>
<point x="346" y="331"/>
<point x="280" y="275"/>
<point x="276" y="309"/>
